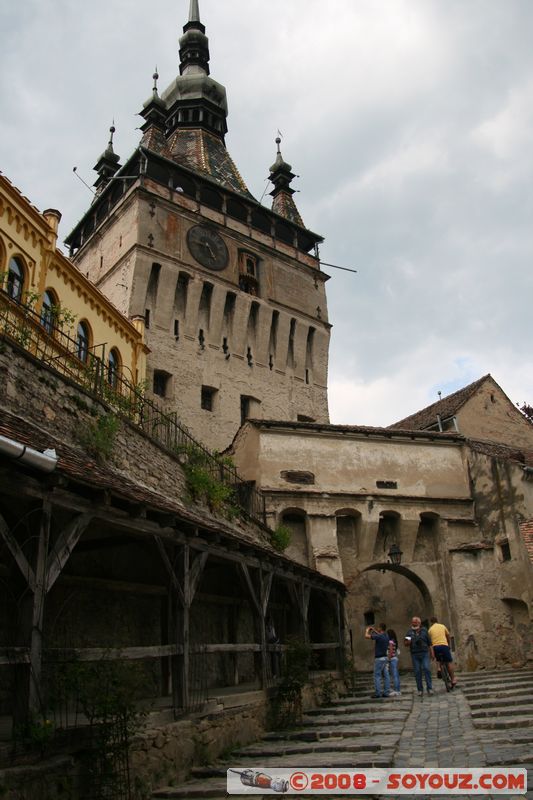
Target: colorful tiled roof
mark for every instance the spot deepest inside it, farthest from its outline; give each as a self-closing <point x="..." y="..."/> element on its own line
<point x="284" y="205"/>
<point x="444" y="408"/>
<point x="202" y="152"/>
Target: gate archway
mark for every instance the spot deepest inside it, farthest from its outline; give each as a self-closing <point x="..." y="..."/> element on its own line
<point x="387" y="593"/>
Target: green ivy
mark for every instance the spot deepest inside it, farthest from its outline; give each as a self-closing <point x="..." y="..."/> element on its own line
<point x="281" y="538"/>
<point x="98" y="438"/>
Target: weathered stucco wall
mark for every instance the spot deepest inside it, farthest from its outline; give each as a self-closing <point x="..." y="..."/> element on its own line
<point x="351" y="464"/>
<point x="490" y="415"/>
<point x="454" y="515"/>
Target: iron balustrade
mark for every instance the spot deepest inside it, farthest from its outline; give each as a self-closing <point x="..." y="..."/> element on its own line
<point x="45" y="339"/>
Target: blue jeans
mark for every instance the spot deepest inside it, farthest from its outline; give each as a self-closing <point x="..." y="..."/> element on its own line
<point x="394" y="673"/>
<point x="381" y="671"/>
<point x="421" y="662"/>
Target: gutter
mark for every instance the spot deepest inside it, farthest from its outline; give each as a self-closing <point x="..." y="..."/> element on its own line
<point x="45" y="462"/>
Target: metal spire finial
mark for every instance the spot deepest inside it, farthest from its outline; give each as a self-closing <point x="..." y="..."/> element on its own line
<point x="194" y="11"/>
<point x="111" y="131"/>
<point x="155" y="76"/>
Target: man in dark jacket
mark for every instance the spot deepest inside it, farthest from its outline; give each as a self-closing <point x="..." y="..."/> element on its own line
<point x="381" y="670"/>
<point x="418" y="641"/>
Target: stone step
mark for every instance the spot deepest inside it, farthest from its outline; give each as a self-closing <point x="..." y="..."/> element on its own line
<point x="521" y="679"/>
<point x="503" y="722"/>
<point x="386" y="715"/>
<point x="500" y="692"/>
<point x="503" y="710"/>
<point x="490" y="702"/>
<point x="338" y="744"/>
<point x="195" y="789"/>
<point x="324" y="734"/>
<point x="495" y="673"/>
<point x="364" y="705"/>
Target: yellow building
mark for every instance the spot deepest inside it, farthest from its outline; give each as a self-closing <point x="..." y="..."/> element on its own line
<point x="64" y="314"/>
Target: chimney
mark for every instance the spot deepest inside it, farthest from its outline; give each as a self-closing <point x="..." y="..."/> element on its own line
<point x="53" y="218"/>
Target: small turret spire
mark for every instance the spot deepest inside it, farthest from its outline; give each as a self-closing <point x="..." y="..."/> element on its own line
<point x="194" y="11"/>
<point x="107" y="164"/>
<point x="281" y="176"/>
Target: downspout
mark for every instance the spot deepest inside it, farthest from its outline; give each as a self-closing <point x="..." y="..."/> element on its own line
<point x="45" y="462"/>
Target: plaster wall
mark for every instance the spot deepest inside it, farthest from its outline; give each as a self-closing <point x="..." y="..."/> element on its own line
<point x="354" y="464"/>
<point x="490" y="415"/>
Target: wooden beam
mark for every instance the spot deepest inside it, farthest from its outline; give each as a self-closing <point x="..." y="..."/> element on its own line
<point x="15" y="550"/>
<point x="55" y="655"/>
<point x="170" y="569"/>
<point x="39" y="594"/>
<point x="196" y="573"/>
<point x="65" y="544"/>
<point x="248" y="579"/>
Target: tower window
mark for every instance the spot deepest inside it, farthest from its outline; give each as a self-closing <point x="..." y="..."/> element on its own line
<point x="161" y="382"/>
<point x="147" y="318"/>
<point x="505" y="551"/>
<point x="208" y="398"/>
<point x="248" y="273"/>
<point x="245" y="408"/>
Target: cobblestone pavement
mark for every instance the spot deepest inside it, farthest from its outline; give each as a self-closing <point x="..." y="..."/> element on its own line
<point x="487" y="721"/>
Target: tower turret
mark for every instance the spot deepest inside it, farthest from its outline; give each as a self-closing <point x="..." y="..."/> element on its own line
<point x="281" y="176"/>
<point x="107" y="164"/>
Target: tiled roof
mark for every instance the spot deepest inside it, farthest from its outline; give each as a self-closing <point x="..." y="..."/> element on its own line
<point x="502" y="451"/>
<point x="284" y="205"/>
<point x="74" y="464"/>
<point x="526" y="530"/>
<point x="200" y="151"/>
<point x="445" y="408"/>
<point x="368" y="430"/>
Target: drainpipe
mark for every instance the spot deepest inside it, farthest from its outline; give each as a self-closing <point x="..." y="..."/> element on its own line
<point x="45" y="462"/>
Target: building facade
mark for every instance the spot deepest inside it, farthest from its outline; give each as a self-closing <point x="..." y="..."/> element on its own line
<point x="64" y="311"/>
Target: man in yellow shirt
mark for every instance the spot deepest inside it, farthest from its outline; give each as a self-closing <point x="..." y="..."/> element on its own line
<point x="440" y="641"/>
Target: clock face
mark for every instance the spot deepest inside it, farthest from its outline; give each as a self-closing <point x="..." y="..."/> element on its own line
<point x="207" y="247"/>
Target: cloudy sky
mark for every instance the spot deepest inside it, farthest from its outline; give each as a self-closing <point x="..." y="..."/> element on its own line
<point x="409" y="122"/>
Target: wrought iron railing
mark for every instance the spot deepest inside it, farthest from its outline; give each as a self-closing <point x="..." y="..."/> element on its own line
<point x="53" y="346"/>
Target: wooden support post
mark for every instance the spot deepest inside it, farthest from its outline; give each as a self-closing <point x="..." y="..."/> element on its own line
<point x="39" y="579"/>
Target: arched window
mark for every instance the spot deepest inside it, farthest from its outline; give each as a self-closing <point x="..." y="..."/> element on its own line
<point x="82" y="341"/>
<point x="48" y="311"/>
<point x="113" y="367"/>
<point x="15" y="279"/>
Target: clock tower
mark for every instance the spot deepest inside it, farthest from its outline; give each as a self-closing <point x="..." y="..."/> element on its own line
<point x="229" y="292"/>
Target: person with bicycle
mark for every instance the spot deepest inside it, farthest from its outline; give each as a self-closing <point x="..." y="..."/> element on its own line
<point x="440" y="642"/>
<point x="418" y="641"/>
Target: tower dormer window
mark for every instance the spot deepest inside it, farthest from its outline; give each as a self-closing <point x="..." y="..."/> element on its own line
<point x="248" y="273"/>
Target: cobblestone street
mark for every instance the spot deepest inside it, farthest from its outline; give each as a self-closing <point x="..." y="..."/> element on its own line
<point x="486" y="722"/>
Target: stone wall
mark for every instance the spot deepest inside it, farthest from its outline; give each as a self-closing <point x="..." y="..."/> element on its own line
<point x="33" y="391"/>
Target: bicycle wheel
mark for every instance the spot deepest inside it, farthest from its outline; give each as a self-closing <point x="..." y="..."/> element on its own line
<point x="446" y="677"/>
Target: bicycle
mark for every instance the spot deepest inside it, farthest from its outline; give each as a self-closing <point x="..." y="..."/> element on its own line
<point x="444" y="674"/>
